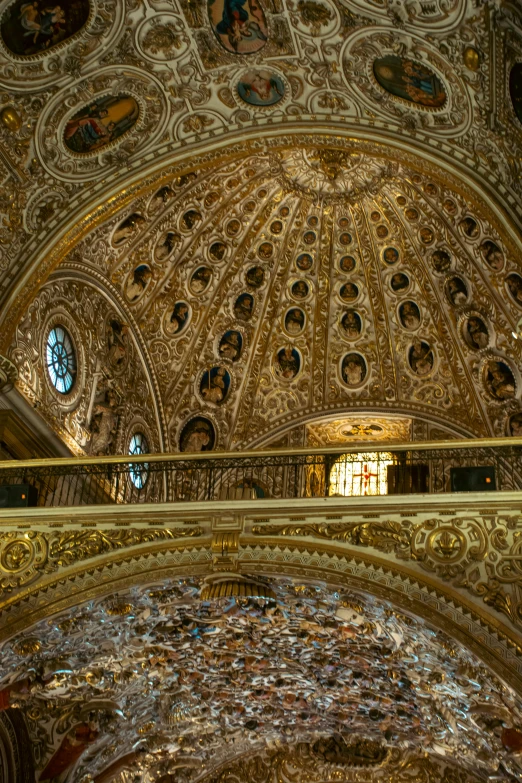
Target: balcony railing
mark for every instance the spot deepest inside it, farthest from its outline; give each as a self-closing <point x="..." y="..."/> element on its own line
<point x="371" y="469"/>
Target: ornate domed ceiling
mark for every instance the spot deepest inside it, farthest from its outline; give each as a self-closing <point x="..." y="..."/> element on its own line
<point x="270" y="289"/>
<point x="181" y="684"/>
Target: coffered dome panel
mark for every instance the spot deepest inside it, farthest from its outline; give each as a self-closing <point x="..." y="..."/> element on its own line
<point x="297" y="283"/>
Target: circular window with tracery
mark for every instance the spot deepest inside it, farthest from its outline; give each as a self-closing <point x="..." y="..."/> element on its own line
<point x="139" y="472"/>
<point x="61" y="359"/>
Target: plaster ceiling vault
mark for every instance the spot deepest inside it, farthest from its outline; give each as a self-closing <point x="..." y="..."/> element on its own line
<point x="176" y="683"/>
<point x="300" y="120"/>
<point x="293" y="222"/>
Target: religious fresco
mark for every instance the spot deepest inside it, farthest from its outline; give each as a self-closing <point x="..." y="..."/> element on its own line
<point x="351" y="325"/>
<point x="456" y="290"/>
<point x="440" y="261"/>
<point x="475" y="332"/>
<point x="138" y="282"/>
<point x="214" y="385"/>
<point x="399" y="282"/>
<point x="177" y="319"/>
<point x="100" y="123"/>
<point x="410" y="80"/>
<point x="255" y="277"/>
<point x="244" y="307"/>
<point x="353" y="369"/>
<point x="499" y="380"/>
<point x="304" y="262"/>
<point x="261" y="88"/>
<point x="127" y="228"/>
<point x="390" y="255"/>
<point x="347" y="264"/>
<point x="514" y="286"/>
<point x="492" y="255"/>
<point x="294" y="321"/>
<point x="421" y="358"/>
<point x="166" y="245"/>
<point x="515" y="89"/>
<point x="349" y="292"/>
<point x="200" y="280"/>
<point x="409" y="315"/>
<point x="230" y="345"/>
<point x="239" y="25"/>
<point x="31" y="27"/>
<point x="345" y="238"/>
<point x="287" y="363"/>
<point x="198" y="434"/>
<point x="309" y="237"/>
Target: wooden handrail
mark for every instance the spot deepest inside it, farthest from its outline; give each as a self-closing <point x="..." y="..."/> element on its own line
<point x="375" y="446"/>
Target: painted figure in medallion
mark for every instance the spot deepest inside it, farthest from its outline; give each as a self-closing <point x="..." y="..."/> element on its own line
<point x="499" y="380"/>
<point x="353" y="369"/>
<point x="492" y="255"/>
<point x="37" y="26"/>
<point x="294" y="321"/>
<point x="127" y="228"/>
<point x="288" y="363"/>
<point x="200" y="280"/>
<point x="421" y="357"/>
<point x="230" y="345"/>
<point x="255" y="277"/>
<point x="409" y="315"/>
<point x="347" y="263"/>
<point x="239" y="25"/>
<point x="514" y="284"/>
<point x="349" y="292"/>
<point x="137" y="283"/>
<point x="166" y="245"/>
<point x="351" y="324"/>
<point x="399" y="282"/>
<point x="244" y="307"/>
<point x="304" y="262"/>
<point x="198" y="434"/>
<point x="457" y="291"/>
<point x="103" y="121"/>
<point x="178" y="318"/>
<point x="409" y="80"/>
<point x="476" y="333"/>
<point x="300" y="289"/>
<point x="261" y="88"/>
<point x="214" y="385"/>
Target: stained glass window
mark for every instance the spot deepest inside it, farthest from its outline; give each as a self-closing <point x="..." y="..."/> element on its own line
<point x="360" y="474"/>
<point x="139" y="472"/>
<point x="61" y="359"/>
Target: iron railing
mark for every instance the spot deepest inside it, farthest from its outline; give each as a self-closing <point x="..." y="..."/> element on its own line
<point x="374" y="469"/>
